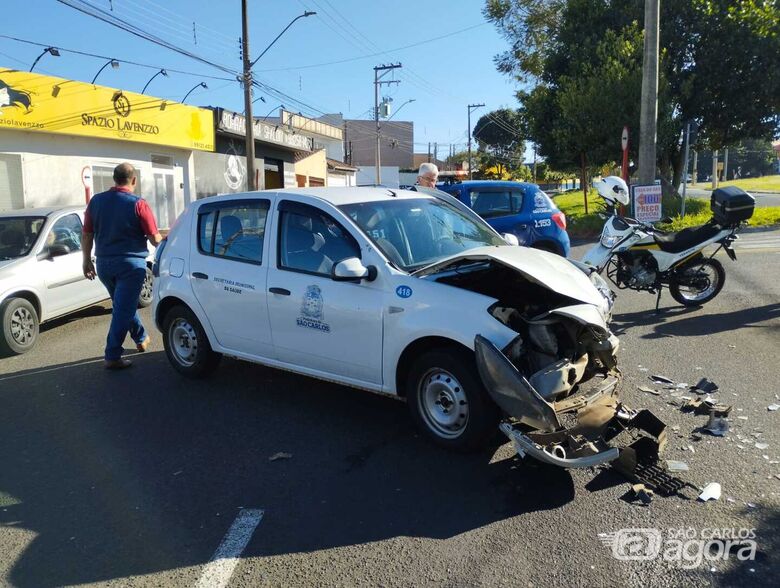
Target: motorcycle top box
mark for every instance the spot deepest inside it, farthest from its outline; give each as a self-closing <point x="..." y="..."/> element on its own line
<point x="731" y="205"/>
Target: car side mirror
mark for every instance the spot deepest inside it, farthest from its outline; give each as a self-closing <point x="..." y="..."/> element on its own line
<point x="54" y="251"/>
<point x="510" y="239"/>
<point x="352" y="269"/>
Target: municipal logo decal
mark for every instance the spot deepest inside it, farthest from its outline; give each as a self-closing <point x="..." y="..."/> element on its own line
<point x="312" y="315"/>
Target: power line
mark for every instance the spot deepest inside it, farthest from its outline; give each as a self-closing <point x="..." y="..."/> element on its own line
<point x="127" y="61"/>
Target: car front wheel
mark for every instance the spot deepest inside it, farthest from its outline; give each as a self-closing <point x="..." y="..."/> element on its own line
<point x="19" y="322"/>
<point x="448" y="402"/>
<point x="186" y="344"/>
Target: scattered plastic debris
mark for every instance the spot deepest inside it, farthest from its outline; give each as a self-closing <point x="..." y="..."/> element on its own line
<point x="777" y="476"/>
<point x="762" y="446"/>
<point x="710" y="492"/>
<point x="705" y="386"/>
<point x="750" y="505"/>
<point x="717" y="426"/>
<point x="773" y="407"/>
<point x="730" y="499"/>
<point x="280" y="455"/>
<point x="676" y="466"/>
<point x="642" y="493"/>
<point x="649" y="390"/>
<point x="742" y="418"/>
<point x="661" y="380"/>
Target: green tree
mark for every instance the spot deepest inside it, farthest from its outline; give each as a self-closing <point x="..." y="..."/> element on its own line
<point x="499" y="137"/>
<point x="720" y="66"/>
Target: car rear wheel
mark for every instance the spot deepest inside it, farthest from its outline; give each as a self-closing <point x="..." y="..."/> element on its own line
<point x="19" y="322"/>
<point x="448" y="402"/>
<point x="145" y="299"/>
<point x="186" y="344"/>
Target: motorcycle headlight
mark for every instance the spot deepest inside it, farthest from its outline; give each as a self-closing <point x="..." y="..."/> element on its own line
<point x="609" y="241"/>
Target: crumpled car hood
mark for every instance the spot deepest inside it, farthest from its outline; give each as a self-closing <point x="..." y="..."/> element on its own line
<point x="548" y="269"/>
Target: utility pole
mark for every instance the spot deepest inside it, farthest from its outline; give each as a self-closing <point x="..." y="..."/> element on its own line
<point x="251" y="184"/>
<point x="470" y="108"/>
<point x="714" y="169"/>
<point x="649" y="107"/>
<point x="429" y="151"/>
<point x="685" y="167"/>
<point x="534" y="163"/>
<point x="377" y="83"/>
<point x="726" y="165"/>
<point x="436" y="153"/>
<point x="694" y="175"/>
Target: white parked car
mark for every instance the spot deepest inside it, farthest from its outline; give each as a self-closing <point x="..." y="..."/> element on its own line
<point x="401" y="293"/>
<point x="40" y="273"/>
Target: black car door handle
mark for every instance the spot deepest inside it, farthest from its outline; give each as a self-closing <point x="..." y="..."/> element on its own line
<point x="281" y="291"/>
<point x="200" y="276"/>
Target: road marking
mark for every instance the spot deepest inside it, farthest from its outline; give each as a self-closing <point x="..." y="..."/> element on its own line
<point x="225" y="559"/>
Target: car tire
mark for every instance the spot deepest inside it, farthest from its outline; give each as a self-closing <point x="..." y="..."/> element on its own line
<point x="187" y="345"/>
<point x="448" y="402"/>
<point x="145" y="298"/>
<point x="19" y="322"/>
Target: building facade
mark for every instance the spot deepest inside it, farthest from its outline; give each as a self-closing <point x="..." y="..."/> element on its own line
<point x="61" y="139"/>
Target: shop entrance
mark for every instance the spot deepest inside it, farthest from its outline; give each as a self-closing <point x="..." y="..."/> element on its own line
<point x="273" y="173"/>
<point x="164" y="197"/>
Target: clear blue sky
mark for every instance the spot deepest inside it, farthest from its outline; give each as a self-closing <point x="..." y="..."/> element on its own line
<point x="443" y="76"/>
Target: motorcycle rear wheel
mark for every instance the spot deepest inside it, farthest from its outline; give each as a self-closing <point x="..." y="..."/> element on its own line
<point x="697" y="282"/>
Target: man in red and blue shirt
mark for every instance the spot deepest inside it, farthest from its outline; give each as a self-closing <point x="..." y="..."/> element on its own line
<point x="119" y="223"/>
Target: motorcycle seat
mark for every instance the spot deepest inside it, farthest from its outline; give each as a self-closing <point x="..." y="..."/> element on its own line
<point x="686" y="238"/>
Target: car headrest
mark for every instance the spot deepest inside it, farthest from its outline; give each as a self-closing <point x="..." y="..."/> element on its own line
<point x="12" y="238"/>
<point x="229" y="225"/>
<point x="299" y="239"/>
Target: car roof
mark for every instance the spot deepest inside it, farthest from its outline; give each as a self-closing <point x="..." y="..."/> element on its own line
<point x="492" y="184"/>
<point x="42" y="211"/>
<point x="337" y="196"/>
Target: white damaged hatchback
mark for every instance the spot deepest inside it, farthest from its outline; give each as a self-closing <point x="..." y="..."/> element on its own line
<point x="404" y="293"/>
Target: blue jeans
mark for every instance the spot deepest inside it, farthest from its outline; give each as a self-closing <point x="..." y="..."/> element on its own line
<point x="123" y="277"/>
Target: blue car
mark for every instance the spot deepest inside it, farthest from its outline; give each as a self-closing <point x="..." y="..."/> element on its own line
<point x="518" y="208"/>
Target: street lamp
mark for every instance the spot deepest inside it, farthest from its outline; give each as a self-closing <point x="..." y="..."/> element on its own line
<point x="52" y="50"/>
<point x="304" y="15"/>
<point x="400" y="107"/>
<point x="272" y="110"/>
<point x="248" y="83"/>
<point x="164" y="74"/>
<point x="112" y="62"/>
<point x="260" y="98"/>
<point x="195" y="87"/>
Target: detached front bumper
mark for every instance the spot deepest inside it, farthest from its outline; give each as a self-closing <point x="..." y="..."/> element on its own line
<point x="574" y="432"/>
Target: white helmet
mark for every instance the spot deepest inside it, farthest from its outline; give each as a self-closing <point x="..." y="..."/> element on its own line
<point x="613" y="189"/>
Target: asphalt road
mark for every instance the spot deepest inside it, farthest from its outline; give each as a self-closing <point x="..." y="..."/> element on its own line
<point x="135" y="478"/>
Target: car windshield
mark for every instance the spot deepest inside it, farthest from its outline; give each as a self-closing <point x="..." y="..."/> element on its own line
<point x="414" y="233"/>
<point x="18" y="235"/>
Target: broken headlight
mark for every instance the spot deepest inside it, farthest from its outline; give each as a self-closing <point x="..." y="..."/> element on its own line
<point x="603" y="288"/>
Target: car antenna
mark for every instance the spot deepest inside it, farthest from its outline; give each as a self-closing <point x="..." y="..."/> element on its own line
<point x="393" y="194"/>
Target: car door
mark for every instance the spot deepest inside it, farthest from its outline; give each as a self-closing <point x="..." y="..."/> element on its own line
<point x="502" y="209"/>
<point x="228" y="270"/>
<point x="66" y="287"/>
<point x="318" y="323"/>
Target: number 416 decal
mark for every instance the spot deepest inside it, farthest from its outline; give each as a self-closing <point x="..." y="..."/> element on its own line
<point x="542" y="222"/>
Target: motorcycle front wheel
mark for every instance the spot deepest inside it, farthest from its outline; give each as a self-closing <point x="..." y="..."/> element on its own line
<point x="698" y="282"/>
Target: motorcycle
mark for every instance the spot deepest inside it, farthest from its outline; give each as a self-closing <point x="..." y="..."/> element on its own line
<point x="638" y="256"/>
